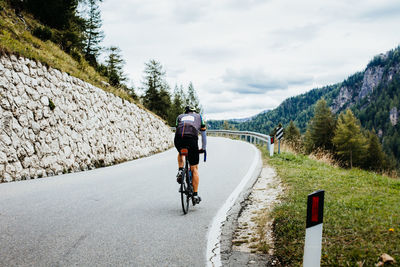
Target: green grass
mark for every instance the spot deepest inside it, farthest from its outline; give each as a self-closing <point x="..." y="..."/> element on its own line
<point x="360" y="208"/>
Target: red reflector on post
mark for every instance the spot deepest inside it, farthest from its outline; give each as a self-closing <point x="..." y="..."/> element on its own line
<point x="314" y="209"/>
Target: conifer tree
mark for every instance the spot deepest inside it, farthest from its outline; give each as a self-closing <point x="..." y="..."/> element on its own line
<point x="375" y="157"/>
<point x="63" y="16"/>
<point x="321" y="128"/>
<point x="192" y="99"/>
<point x="94" y="35"/>
<point x="227" y="126"/>
<point x="56" y="13"/>
<point x="115" y="64"/>
<point x="292" y="135"/>
<point x="156" y="90"/>
<point x="177" y="106"/>
<point x="349" y="141"/>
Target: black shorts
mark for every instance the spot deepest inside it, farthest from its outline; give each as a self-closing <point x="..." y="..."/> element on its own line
<point x="191" y="143"/>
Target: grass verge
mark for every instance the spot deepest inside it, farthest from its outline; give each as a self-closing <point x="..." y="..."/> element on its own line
<point x="361" y="216"/>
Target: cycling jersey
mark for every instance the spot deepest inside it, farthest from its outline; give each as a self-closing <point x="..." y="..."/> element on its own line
<point x="189" y="125"/>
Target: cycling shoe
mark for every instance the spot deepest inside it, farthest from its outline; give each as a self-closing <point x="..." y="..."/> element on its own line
<point x="179" y="176"/>
<point x="196" y="200"/>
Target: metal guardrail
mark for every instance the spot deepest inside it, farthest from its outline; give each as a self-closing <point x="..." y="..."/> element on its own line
<point x="251" y="137"/>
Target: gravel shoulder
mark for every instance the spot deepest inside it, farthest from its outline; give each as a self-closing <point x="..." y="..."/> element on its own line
<point x="247" y="237"/>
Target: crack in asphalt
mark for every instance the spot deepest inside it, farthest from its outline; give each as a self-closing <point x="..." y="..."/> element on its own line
<point x="237" y="196"/>
<point x="243" y="207"/>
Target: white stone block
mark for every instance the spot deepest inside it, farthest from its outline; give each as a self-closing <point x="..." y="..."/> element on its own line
<point x="44" y="100"/>
<point x="7" y="177"/>
<point x="3" y="157"/>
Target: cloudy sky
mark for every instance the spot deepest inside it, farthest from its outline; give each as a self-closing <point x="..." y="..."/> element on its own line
<point x="245" y="56"/>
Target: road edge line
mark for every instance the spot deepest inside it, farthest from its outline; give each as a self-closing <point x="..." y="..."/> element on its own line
<point x="213" y="253"/>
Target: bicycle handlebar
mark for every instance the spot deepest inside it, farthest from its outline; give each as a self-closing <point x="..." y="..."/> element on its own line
<point x="201" y="151"/>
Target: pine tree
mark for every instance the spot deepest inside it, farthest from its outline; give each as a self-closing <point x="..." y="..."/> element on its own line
<point x="375" y="158"/>
<point x="61" y="15"/>
<point x="156" y="90"/>
<point x="349" y="141"/>
<point x="292" y="136"/>
<point x="177" y="106"/>
<point x="55" y="13"/>
<point x="321" y="128"/>
<point x="192" y="99"/>
<point x="115" y="64"/>
<point x="93" y="33"/>
<point x="228" y="126"/>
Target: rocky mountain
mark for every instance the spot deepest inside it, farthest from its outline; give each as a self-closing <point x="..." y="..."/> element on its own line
<point x="373" y="96"/>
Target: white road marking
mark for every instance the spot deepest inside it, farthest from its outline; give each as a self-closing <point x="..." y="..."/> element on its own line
<point x="213" y="247"/>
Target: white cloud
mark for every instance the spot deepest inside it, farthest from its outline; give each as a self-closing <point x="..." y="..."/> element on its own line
<point x="245" y="56"/>
<point x="189" y="11"/>
<point x="256" y="81"/>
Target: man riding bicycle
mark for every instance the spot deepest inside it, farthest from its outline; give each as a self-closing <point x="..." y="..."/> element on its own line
<point x="188" y="126"/>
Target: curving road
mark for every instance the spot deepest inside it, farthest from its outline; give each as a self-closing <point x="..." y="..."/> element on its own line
<point x="124" y="215"/>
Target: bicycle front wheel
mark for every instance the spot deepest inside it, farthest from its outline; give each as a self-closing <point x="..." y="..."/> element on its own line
<point x="184" y="193"/>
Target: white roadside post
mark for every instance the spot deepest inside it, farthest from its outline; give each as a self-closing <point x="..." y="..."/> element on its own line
<point x="271" y="146"/>
<point x="279" y="134"/>
<point x="313" y="242"/>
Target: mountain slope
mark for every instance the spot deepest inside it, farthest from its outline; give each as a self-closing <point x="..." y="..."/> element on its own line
<point x="373" y="96"/>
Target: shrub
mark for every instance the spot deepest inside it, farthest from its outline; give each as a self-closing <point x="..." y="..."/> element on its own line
<point x="51" y="105"/>
<point x="76" y="55"/>
<point x="43" y="33"/>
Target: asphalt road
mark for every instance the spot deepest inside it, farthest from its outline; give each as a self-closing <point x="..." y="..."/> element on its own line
<point x="125" y="215"/>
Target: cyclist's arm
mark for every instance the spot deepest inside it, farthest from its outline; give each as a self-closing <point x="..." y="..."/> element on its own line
<point x="203" y="134"/>
<point x="203" y="140"/>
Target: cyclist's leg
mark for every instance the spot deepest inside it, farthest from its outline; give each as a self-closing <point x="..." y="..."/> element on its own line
<point x="194" y="163"/>
<point x="181" y="161"/>
<point x="179" y="144"/>
<point x="195" y="177"/>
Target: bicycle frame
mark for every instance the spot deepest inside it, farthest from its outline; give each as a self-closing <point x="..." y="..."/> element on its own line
<point x="186" y="185"/>
<point x="186" y="188"/>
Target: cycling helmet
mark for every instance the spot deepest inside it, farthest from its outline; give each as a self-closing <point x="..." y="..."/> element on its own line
<point x="189" y="109"/>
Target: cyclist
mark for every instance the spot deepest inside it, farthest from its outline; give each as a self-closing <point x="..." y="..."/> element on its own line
<point x="188" y="126"/>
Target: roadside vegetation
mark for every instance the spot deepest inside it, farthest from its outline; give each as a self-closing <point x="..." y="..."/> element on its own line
<point x="66" y="35"/>
<point x="361" y="214"/>
<point x="17" y="38"/>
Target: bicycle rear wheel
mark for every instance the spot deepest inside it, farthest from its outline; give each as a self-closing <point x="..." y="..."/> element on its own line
<point x="184" y="192"/>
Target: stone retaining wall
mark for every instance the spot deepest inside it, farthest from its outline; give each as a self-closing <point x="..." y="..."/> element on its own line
<point x="52" y="123"/>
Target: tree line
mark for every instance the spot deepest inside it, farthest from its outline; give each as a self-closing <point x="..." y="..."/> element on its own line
<point x="343" y="137"/>
<point x="372" y="111"/>
<point x="75" y="26"/>
<point x="157" y="97"/>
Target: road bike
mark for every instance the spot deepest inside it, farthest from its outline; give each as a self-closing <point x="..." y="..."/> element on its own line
<point x="186" y="188"/>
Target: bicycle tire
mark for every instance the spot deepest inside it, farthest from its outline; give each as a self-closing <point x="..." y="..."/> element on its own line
<point x="184" y="192"/>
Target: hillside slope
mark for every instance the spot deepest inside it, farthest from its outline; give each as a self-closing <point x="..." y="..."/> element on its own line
<point x="372" y="95"/>
<point x="16" y="38"/>
<point x="58" y="115"/>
